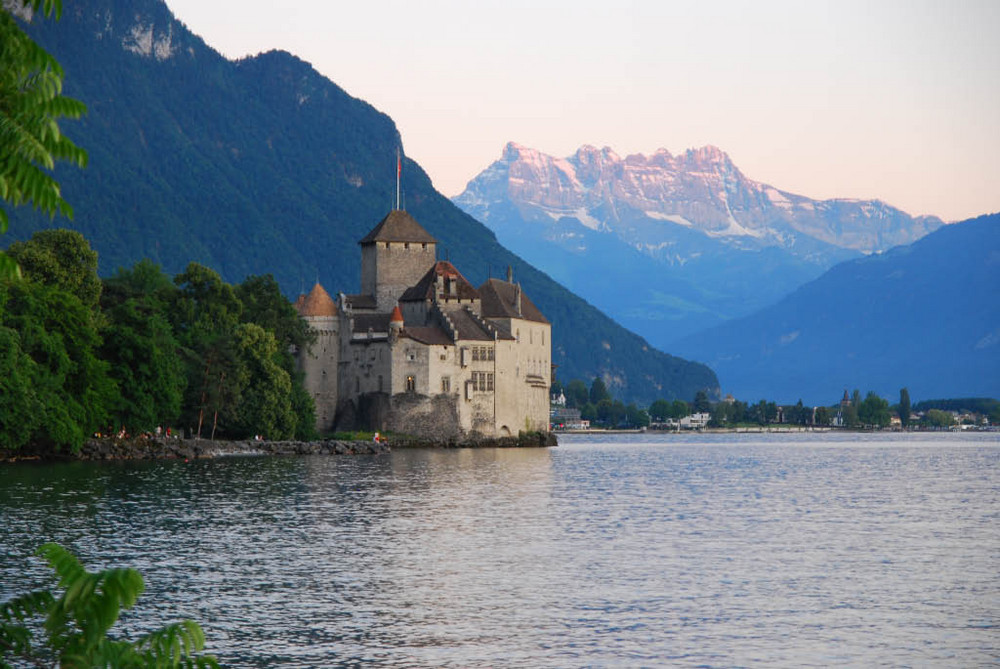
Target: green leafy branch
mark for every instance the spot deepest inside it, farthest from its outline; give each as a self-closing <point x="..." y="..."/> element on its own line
<point x="77" y="623"/>
<point x="31" y="103"/>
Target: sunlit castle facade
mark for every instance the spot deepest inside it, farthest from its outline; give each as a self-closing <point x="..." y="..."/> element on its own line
<point x="422" y="351"/>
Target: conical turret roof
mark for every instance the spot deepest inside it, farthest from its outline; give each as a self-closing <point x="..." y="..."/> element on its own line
<point x="318" y="303"/>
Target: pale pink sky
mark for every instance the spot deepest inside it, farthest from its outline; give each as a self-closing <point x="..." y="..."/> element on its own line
<point x="891" y="99"/>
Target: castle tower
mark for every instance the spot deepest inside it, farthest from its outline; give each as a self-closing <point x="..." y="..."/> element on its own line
<point x="394" y="256"/>
<point x="319" y="363"/>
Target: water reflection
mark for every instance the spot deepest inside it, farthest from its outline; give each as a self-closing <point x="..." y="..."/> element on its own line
<point x="722" y="551"/>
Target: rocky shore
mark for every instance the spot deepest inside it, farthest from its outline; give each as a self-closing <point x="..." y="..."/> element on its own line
<point x="192" y="449"/>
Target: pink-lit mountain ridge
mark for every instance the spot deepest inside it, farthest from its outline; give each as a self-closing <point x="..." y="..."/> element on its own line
<point x="695" y="241"/>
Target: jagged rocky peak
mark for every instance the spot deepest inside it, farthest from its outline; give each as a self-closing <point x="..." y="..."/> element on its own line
<point x="700" y="189"/>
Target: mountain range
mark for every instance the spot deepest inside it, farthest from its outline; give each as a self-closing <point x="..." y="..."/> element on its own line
<point x="923" y="316"/>
<point x="669" y="245"/>
<point x="262" y="165"/>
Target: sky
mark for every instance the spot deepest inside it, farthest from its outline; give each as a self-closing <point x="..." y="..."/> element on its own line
<point x="891" y="99"/>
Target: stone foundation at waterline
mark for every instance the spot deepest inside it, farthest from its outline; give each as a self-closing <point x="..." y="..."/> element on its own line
<point x="192" y="449"/>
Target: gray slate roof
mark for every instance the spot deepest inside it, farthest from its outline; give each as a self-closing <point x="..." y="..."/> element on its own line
<point x="499" y="301"/>
<point x="398" y="226"/>
<point x="424" y="289"/>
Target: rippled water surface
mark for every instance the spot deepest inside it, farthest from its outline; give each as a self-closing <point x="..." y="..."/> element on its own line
<point x="795" y="550"/>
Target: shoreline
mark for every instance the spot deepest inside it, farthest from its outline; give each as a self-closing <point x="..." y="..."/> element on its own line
<point x="95" y="449"/>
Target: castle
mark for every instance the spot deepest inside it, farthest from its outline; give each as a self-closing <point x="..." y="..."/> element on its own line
<point x="422" y="351"/>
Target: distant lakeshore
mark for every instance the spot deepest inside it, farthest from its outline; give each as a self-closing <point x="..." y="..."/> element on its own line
<point x="760" y="429"/>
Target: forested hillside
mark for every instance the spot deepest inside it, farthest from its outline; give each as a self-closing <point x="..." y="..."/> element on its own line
<point x="263" y="166"/>
<point x="923" y="316"/>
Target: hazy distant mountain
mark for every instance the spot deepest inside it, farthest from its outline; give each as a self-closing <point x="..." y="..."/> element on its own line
<point x="924" y="316"/>
<point x="264" y="166"/>
<point x="671" y="244"/>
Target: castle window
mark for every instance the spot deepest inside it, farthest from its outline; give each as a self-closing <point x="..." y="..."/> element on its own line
<point x="491" y="353"/>
<point x="387" y="244"/>
<point x="424" y="246"/>
<point x="411" y="384"/>
<point x="445" y="384"/>
<point x="475" y="353"/>
<point x="406" y="245"/>
<point x="489" y="383"/>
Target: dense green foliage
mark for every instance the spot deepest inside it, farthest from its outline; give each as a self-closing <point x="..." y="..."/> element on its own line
<point x="76" y="623"/>
<point x="139" y="351"/>
<point x="31" y="104"/>
<point x="263" y="166"/>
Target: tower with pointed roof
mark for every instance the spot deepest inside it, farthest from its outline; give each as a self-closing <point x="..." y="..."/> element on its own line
<point x="320" y="362"/>
<point x="394" y="256"/>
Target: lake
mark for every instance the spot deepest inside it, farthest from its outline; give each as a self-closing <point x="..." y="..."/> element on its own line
<point x="630" y="550"/>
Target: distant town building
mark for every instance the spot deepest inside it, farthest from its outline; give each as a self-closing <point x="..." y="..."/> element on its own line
<point x="695" y="421"/>
<point x="420" y="350"/>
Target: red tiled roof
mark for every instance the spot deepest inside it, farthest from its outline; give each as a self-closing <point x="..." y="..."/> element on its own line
<point x="317" y="303"/>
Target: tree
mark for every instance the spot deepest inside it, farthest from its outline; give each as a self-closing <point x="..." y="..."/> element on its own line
<point x="265" y="398"/>
<point x="56" y="353"/>
<point x="679" y="409"/>
<point x="636" y="417"/>
<point x="874" y="411"/>
<point x="763" y="412"/>
<point x="264" y="305"/>
<point x="599" y="391"/>
<point x="61" y="258"/>
<point x="31" y="104"/>
<point x="904" y="407"/>
<point x="701" y="403"/>
<point x="823" y="416"/>
<point x="205" y="312"/>
<point x="145" y="362"/>
<point x="77" y="623"/>
<point x="21" y="406"/>
<point x="576" y="394"/>
<point x="659" y="411"/>
<point x="939" y="418"/>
